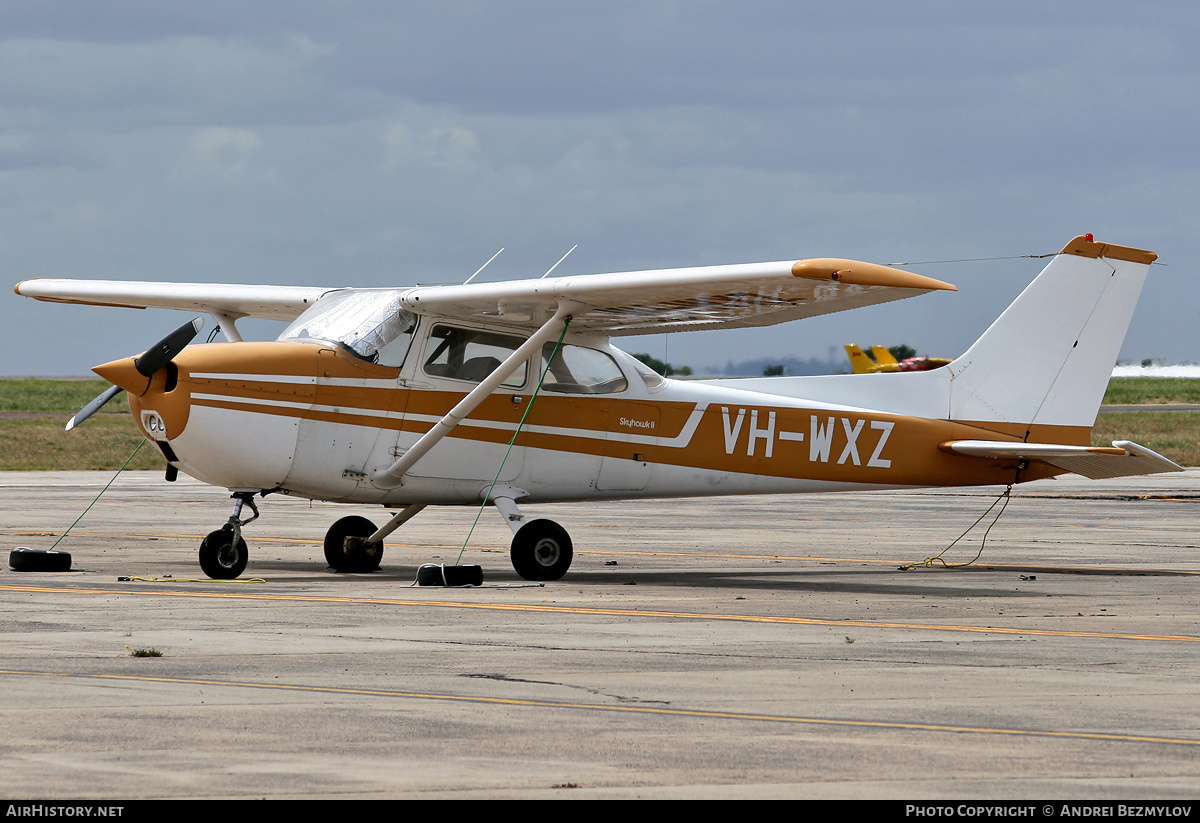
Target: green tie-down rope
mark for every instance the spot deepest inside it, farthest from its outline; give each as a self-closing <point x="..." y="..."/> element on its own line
<point x="102" y="491"/>
<point x="520" y="425"/>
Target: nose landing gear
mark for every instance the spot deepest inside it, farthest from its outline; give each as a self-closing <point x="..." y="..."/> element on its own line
<point x="223" y="554"/>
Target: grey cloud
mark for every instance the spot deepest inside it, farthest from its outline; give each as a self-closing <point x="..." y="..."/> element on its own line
<point x="382" y="143"/>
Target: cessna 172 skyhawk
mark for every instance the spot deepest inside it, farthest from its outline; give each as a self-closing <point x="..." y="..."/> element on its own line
<point x="409" y="397"/>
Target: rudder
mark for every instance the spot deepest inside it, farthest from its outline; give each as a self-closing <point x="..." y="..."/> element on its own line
<point x="1046" y="361"/>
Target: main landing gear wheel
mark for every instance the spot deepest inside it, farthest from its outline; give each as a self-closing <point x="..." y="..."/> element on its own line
<point x="541" y="550"/>
<point x="221" y="557"/>
<point x="346" y="546"/>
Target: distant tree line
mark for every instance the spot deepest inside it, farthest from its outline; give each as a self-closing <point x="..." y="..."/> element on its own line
<point x="665" y="369"/>
<point x="777" y="366"/>
<point x="771" y="366"/>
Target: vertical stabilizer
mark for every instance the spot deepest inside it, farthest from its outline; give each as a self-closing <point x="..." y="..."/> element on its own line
<point x="1047" y="359"/>
<point x="883" y="357"/>
<point x="859" y="362"/>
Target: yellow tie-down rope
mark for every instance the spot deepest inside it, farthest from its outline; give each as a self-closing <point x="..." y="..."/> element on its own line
<point x="928" y="562"/>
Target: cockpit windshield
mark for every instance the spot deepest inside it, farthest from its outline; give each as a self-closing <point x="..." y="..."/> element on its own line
<point x="370" y="323"/>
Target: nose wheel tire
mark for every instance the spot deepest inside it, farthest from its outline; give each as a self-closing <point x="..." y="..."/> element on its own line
<point x="346" y="546"/>
<point x="541" y="550"/>
<point x="221" y="558"/>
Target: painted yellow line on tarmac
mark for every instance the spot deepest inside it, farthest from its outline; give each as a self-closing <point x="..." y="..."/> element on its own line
<point x="623" y="709"/>
<point x="599" y="612"/>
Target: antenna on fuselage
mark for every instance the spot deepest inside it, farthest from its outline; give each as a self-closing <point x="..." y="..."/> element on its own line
<point x="484" y="266"/>
<point x="564" y="257"/>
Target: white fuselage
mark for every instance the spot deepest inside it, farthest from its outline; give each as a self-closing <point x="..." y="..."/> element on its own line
<point x="314" y="420"/>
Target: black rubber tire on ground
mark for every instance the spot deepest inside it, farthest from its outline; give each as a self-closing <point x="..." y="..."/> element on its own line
<point x="39" y="560"/>
<point x="541" y="550"/>
<point x="353" y="554"/>
<point x="220" y="558"/>
<point x="435" y="574"/>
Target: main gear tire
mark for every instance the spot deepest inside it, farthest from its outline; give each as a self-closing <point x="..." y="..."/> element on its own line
<point x="346" y="546"/>
<point x="541" y="550"/>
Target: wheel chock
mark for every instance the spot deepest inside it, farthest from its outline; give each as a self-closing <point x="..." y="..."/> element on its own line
<point x="24" y="559"/>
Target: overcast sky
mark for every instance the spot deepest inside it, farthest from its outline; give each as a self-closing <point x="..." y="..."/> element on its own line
<point x="393" y="143"/>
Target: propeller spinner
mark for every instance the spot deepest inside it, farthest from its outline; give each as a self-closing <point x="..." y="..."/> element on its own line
<point x="153" y="359"/>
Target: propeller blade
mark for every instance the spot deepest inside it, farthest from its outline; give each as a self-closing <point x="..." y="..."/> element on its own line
<point x="155" y="358"/>
<point x="93" y="407"/>
<point x="164" y="351"/>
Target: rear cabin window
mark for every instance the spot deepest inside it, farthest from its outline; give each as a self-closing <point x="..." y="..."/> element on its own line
<point x="471" y="354"/>
<point x="577" y="370"/>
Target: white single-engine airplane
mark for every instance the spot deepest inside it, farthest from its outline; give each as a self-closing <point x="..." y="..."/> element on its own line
<point x="410" y="397"/>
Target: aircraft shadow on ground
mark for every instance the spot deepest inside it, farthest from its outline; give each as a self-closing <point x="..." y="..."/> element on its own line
<point x="861" y="581"/>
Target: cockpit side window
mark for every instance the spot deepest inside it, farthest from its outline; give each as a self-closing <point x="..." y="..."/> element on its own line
<point x="579" y="370"/>
<point x="471" y="354"/>
<point x="370" y="323"/>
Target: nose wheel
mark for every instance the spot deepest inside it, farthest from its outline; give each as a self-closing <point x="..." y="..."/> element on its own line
<point x="223" y="554"/>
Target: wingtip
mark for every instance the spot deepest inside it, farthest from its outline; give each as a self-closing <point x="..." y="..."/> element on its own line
<point x="859" y="273"/>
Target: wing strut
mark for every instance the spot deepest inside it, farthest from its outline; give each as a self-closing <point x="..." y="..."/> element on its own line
<point x="398" y="520"/>
<point x="228" y="323"/>
<point x="390" y="477"/>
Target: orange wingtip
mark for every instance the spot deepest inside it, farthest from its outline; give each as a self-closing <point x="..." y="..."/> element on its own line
<point x="865" y="274"/>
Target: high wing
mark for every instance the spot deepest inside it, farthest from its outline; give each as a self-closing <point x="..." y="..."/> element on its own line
<point x="664" y="300"/>
<point x="232" y="300"/>
<point x="625" y="303"/>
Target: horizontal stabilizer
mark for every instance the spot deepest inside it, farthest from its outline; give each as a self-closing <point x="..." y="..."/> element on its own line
<point x="1123" y="459"/>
